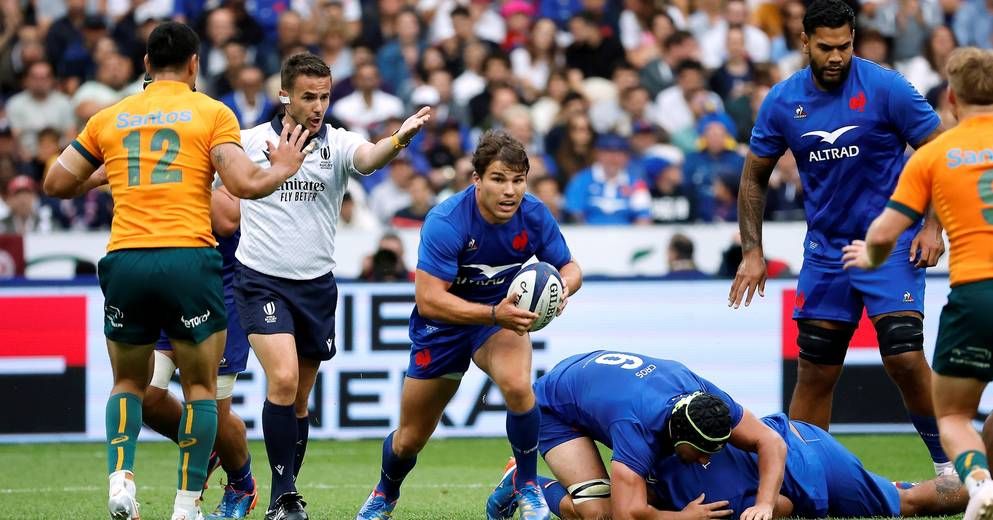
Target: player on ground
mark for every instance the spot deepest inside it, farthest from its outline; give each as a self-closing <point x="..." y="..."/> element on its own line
<point x="645" y="409"/>
<point x="284" y="286"/>
<point x="162" y="411"/>
<point x="848" y="122"/>
<point x="471" y="246"/>
<point x="953" y="174"/>
<point x="822" y="479"/>
<point x="160" y="149"/>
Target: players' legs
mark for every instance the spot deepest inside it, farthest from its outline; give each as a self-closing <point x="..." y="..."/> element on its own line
<point x="506" y="358"/>
<point x="901" y="345"/>
<point x="160" y="410"/>
<point x="956" y="400"/>
<point x="197" y="364"/>
<point x="308" y="369"/>
<point x="131" y="367"/>
<point x="422" y="402"/>
<point x="823" y="345"/>
<point x="941" y="496"/>
<point x="278" y="355"/>
<point x="574" y="463"/>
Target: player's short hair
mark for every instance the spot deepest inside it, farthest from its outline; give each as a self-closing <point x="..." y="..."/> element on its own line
<point x="497" y="145"/>
<point x="701" y="420"/>
<point x="302" y="64"/>
<point x="828" y="13"/>
<point x="171" y="45"/>
<point x="970" y="75"/>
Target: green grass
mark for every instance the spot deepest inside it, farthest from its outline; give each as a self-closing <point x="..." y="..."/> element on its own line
<point x="452" y="480"/>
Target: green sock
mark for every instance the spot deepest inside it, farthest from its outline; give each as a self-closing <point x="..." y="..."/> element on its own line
<point x="123" y="419"/>
<point x="197" y="430"/>
<point x="970" y="461"/>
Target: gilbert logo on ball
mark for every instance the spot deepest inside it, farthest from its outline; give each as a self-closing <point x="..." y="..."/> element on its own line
<point x="538" y="288"/>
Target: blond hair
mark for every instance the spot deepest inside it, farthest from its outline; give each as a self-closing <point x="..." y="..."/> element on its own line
<point x="970" y="75"/>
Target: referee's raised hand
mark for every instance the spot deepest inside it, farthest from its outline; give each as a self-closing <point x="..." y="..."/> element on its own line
<point x="288" y="154"/>
<point x="413" y="124"/>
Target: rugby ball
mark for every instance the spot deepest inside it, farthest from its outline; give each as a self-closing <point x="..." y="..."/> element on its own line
<point x="538" y="287"/>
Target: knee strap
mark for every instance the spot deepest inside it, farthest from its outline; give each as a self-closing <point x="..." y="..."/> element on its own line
<point x="899" y="334"/>
<point x="590" y="490"/>
<point x="823" y="346"/>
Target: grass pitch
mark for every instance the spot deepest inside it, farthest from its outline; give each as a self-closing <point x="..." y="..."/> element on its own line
<point x="451" y="482"/>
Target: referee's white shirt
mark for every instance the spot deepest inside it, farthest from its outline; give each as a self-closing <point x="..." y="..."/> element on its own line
<point x="290" y="233"/>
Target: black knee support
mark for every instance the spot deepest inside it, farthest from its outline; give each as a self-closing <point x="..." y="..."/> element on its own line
<point x="899" y="334"/>
<point x="823" y="346"/>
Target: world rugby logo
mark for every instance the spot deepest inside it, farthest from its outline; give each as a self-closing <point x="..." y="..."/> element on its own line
<point x="270" y="312"/>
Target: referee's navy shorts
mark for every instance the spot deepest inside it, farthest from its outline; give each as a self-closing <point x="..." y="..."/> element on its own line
<point x="304" y="308"/>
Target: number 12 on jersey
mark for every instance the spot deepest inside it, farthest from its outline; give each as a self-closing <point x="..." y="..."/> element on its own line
<point x="163" y="140"/>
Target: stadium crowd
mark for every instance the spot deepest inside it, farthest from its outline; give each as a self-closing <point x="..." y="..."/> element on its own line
<point x="633" y="112"/>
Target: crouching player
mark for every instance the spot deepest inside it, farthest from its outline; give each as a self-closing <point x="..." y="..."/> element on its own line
<point x="822" y="479"/>
<point x="645" y="409"/>
<point x="471" y="246"/>
<point x="162" y="411"/>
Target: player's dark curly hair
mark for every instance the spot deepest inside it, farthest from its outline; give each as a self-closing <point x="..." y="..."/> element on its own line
<point x="828" y="13"/>
<point x="701" y="420"/>
<point x="497" y="145"/>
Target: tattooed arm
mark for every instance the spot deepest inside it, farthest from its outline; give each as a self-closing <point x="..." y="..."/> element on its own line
<point x="245" y="179"/>
<point x="751" y="207"/>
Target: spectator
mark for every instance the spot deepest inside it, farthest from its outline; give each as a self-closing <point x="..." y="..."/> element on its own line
<point x="927" y="70"/>
<point x="714" y="41"/>
<point x="447" y="145"/>
<point x="546" y="111"/>
<point x="873" y="46"/>
<point x="334" y="50"/>
<point x="438" y="94"/>
<point x="680" y="259"/>
<point x="64" y="46"/>
<point x="236" y="57"/>
<point x="533" y="61"/>
<point x="220" y="29"/>
<point x="717" y="158"/>
<point x="592" y="53"/>
<point x="355" y="215"/>
<point x="517" y="122"/>
<point x="23" y="203"/>
<point x="607" y="111"/>
<point x="725" y="190"/>
<point x="112" y="84"/>
<point x="974" y="24"/>
<point x="672" y="108"/>
<point x="788" y="41"/>
<point x="607" y="192"/>
<point x="398" y="56"/>
<point x="913" y="21"/>
<point x="497" y="75"/>
<point x="289" y="29"/>
<point x="660" y="73"/>
<point x="673" y="201"/>
<point x="48" y="151"/>
<point x="39" y="106"/>
<point x="517" y="14"/>
<point x="734" y="78"/>
<point x="421" y="201"/>
<point x="389" y="267"/>
<point x="392" y="194"/>
<point x="368" y="105"/>
<point x="575" y="152"/>
<point x="470" y="82"/>
<point x="547" y="190"/>
<point x="248" y="101"/>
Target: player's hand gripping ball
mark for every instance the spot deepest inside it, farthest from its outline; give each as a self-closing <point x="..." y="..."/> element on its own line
<point x="538" y="287"/>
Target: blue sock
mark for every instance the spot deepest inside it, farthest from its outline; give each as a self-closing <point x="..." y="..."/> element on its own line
<point x="522" y="432"/>
<point x="279" y="427"/>
<point x="927" y="428"/>
<point x="242" y="479"/>
<point x="303" y="432"/>
<point x="394" y="470"/>
<point x="554" y="493"/>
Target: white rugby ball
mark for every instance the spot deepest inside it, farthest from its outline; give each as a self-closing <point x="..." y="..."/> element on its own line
<point x="538" y="287"/>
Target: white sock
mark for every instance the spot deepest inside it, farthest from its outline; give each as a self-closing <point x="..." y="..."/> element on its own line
<point x="120" y="479"/>
<point x="976" y="480"/>
<point x="187" y="500"/>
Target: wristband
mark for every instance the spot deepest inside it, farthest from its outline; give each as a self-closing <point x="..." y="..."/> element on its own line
<point x="397" y="145"/>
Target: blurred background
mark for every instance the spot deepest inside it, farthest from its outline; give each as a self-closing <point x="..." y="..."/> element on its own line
<point x="636" y="115"/>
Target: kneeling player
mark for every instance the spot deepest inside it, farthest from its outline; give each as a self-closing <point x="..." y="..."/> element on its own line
<point x="471" y="246"/>
<point x="822" y="479"/>
<point x="645" y="409"/>
<point x="161" y="410"/>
